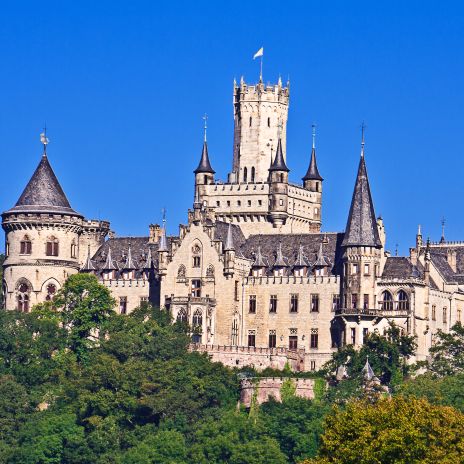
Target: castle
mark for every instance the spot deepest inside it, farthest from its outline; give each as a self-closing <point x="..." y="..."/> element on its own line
<point x="251" y="272"/>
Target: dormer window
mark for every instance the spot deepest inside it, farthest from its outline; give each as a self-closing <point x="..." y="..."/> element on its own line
<point x="52" y="247"/>
<point x="25" y="247"/>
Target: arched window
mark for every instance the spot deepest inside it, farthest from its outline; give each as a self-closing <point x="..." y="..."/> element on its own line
<point x="250" y="120"/>
<point x="23" y="297"/>
<point x="245" y="174"/>
<point x="403" y="300"/>
<point x="197" y="320"/>
<point x="25" y="247"/>
<point x="253" y="172"/>
<point x="182" y="316"/>
<point x="51" y="290"/>
<point x="268" y="122"/>
<point x="386" y="302"/>
<point x="73" y="249"/>
<point x="52" y="247"/>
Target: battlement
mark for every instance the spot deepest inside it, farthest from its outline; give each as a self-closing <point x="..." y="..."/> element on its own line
<point x="285" y="280"/>
<point x="261" y="91"/>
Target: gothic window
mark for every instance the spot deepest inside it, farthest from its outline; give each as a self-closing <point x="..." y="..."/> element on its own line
<point x="196" y="262"/>
<point x="253" y="173"/>
<point x="197" y="325"/>
<point x="23" y="297"/>
<point x="73" y="249"/>
<point x="386" y="302"/>
<point x="51" y="290"/>
<point x="182" y="316"/>
<point x="235" y="332"/>
<point x="25" y="247"/>
<point x="245" y="174"/>
<point x="196" y="256"/>
<point x="52" y="247"/>
<point x="403" y="300"/>
<point x="196" y="288"/>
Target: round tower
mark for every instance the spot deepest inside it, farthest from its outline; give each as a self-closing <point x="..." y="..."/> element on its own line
<point x="278" y="189"/>
<point x="41" y="240"/>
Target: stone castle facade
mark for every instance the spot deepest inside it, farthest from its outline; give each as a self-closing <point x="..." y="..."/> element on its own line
<point x="251" y="271"/>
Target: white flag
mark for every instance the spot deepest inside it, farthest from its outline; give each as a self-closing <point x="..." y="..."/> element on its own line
<point x="259" y="53"/>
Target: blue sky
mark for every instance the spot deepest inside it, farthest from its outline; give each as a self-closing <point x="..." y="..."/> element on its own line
<point x="123" y="86"/>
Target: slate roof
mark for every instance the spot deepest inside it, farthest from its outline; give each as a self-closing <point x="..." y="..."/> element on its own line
<point x="279" y="162"/>
<point x="401" y="268"/>
<point x="43" y="193"/>
<point x="204" y="165"/>
<point x="361" y="228"/>
<point x="439" y="259"/>
<point x="312" y="173"/>
<point x="222" y="230"/>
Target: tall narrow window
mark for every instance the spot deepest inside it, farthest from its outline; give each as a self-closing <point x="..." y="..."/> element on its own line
<point x="444" y="316"/>
<point x="197" y="326"/>
<point x="293" y="342"/>
<point x="366" y="301"/>
<point x="234" y="332"/>
<point x="196" y="288"/>
<point x="272" y="339"/>
<point x="268" y="122"/>
<point x="252" y="338"/>
<point x="253" y="173"/>
<point x="251" y="120"/>
<point x="294" y="303"/>
<point x="236" y="290"/>
<point x="387" y="301"/>
<point x="51" y="248"/>
<point x="123" y="305"/>
<point x="245" y="174"/>
<point x="434" y="313"/>
<point x="23" y="298"/>
<point x="25" y="246"/>
<point x="335" y="302"/>
<point x="73" y="250"/>
<point x="196" y="261"/>
<point x="273" y="304"/>
<point x="354" y="300"/>
<point x="314" y="303"/>
<point x="365" y="334"/>
<point x="403" y="301"/>
<point x="353" y="336"/>
<point x="314" y="340"/>
<point x="252" y="304"/>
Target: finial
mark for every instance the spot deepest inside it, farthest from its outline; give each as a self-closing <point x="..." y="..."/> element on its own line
<point x="442" y="240"/>
<point x="419" y="230"/>
<point x="44" y="140"/>
<point x="396" y="249"/>
<point x="363" y="128"/>
<point x="205" y="125"/>
<point x="163" y="211"/>
<point x="314" y="134"/>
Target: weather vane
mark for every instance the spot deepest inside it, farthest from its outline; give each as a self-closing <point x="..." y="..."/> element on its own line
<point x="44" y="140"/>
<point x="205" y="125"/>
<point x="314" y="134"/>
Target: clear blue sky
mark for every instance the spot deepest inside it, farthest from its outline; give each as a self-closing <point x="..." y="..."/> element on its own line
<point x="122" y="87"/>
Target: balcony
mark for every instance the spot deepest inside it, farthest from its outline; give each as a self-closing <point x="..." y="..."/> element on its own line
<point x="186" y="300"/>
<point x="396" y="311"/>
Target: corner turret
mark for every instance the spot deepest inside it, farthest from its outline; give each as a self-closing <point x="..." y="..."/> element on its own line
<point x="278" y="188"/>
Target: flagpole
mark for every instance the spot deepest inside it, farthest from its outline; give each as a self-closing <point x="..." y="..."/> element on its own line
<point x="261" y="69"/>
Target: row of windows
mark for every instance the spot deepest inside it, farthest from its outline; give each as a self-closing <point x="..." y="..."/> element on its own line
<point x="292" y="339"/>
<point x="123" y="303"/>
<point x="23" y="296"/>
<point x="444" y="314"/>
<point x="52" y="247"/>
<point x="239" y="203"/>
<point x="294" y="303"/>
<point x="386" y="302"/>
<point x="354" y="269"/>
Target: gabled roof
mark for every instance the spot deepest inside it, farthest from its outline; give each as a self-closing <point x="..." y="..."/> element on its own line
<point x="204" y="165"/>
<point x="361" y="228"/>
<point x="312" y="173"/>
<point x="43" y="193"/>
<point x="279" y="162"/>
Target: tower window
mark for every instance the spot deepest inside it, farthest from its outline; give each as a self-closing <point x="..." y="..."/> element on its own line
<point x="273" y="304"/>
<point x="314" y="303"/>
<point x="23" y="298"/>
<point x="253" y="172"/>
<point x="294" y="303"/>
<point x="123" y="305"/>
<point x="252" y="304"/>
<point x="251" y="120"/>
<point x="73" y="250"/>
<point x="51" y="248"/>
<point x="245" y="174"/>
<point x="272" y="339"/>
<point x="25" y="246"/>
<point x="51" y="290"/>
<point x="314" y="340"/>
<point x="387" y="301"/>
<point x="268" y="122"/>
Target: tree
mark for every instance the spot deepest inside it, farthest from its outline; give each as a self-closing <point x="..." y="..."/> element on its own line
<point x="2" y="259"/>
<point x="393" y="430"/>
<point x="84" y="305"/>
<point x="447" y="352"/>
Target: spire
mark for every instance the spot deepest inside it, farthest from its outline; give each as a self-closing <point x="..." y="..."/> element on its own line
<point x="301" y="260"/>
<point x="109" y="263"/>
<point x="321" y="260"/>
<point x="163" y="242"/>
<point x="279" y="163"/>
<point x="313" y="173"/>
<point x="442" y="239"/>
<point x="368" y="371"/>
<point x="43" y="192"/>
<point x="149" y="261"/>
<point x="88" y="265"/>
<point x="230" y="240"/>
<point x="129" y="264"/>
<point x="361" y="228"/>
<point x="204" y="166"/>
<point x="259" y="260"/>
<point x="280" y="261"/>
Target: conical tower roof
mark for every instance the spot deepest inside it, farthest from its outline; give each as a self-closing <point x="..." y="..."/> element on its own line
<point x="312" y="173"/>
<point x="204" y="166"/>
<point x="88" y="265"/>
<point x="43" y="193"/>
<point x="279" y="162"/>
<point x="149" y="261"/>
<point x="163" y="242"/>
<point x="230" y="239"/>
<point x="361" y="228"/>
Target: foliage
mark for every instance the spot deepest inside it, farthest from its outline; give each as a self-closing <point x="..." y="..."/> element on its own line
<point x="288" y="389"/>
<point x="447" y="352"/>
<point x="396" y="430"/>
<point x="2" y="259"/>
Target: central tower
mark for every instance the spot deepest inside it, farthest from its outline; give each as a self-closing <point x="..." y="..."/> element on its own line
<point x="259" y="110"/>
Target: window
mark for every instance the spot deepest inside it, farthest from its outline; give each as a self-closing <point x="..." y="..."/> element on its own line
<point x="366" y="301"/>
<point x="252" y="304"/>
<point x="434" y="313"/>
<point x="196" y="261"/>
<point x="366" y="269"/>
<point x="294" y="303"/>
<point x="196" y="288"/>
<point x="123" y="305"/>
<point x="353" y="336"/>
<point x="293" y="342"/>
<point x="314" y="303"/>
<point x="197" y="320"/>
<point x="228" y="202"/>
<point x="249" y="202"/>
<point x="281" y="202"/>
<point x="268" y="122"/>
<point x="251" y="338"/>
<point x="143" y="300"/>
<point x="354" y="300"/>
<point x="335" y="302"/>
<point x="23" y="297"/>
<point x="444" y="315"/>
<point x="245" y="174"/>
<point x="218" y="203"/>
<point x="51" y="290"/>
<point x="182" y="316"/>
<point x="25" y="246"/>
<point x="387" y="301"/>
<point x="273" y="304"/>
<point x="313" y="365"/>
<point x="51" y="248"/>
<point x="239" y="203"/>
<point x="365" y="334"/>
<point x="403" y="300"/>
<point x="260" y="202"/>
<point x="458" y="315"/>
<point x="272" y="339"/>
<point x="236" y="290"/>
<point x="314" y="338"/>
<point x="234" y="332"/>
<point x="253" y="173"/>
<point x="73" y="250"/>
<point x="250" y="121"/>
<point x="354" y="269"/>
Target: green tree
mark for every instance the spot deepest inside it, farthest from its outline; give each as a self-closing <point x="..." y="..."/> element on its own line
<point x="393" y="430"/>
<point x="447" y="352"/>
<point x="2" y="259"/>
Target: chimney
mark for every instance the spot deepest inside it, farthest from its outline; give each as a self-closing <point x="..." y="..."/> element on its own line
<point x="413" y="256"/>
<point x="155" y="233"/>
<point x="451" y="258"/>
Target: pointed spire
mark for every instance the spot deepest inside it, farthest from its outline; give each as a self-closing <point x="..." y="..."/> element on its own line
<point x="88" y="265"/>
<point x="301" y="260"/>
<point x="229" y="240"/>
<point x="109" y="263"/>
<point x="313" y="173"/>
<point x="149" y="261"/>
<point x="280" y="261"/>
<point x="279" y="162"/>
<point x="427" y="250"/>
<point x="163" y="242"/>
<point x="368" y="371"/>
<point x="361" y="228"/>
<point x="363" y="128"/>
<point x="442" y="239"/>
<point x="204" y="166"/>
<point x="129" y="264"/>
<point x="321" y="260"/>
<point x="259" y="260"/>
